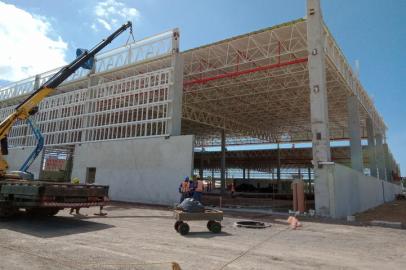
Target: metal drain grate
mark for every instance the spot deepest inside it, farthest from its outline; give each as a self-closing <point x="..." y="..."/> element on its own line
<point x="251" y="224"/>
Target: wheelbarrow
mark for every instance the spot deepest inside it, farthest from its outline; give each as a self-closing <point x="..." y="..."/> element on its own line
<point x="213" y="218"/>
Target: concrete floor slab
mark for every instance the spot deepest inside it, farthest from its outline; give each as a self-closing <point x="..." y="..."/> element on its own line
<point x="130" y="236"/>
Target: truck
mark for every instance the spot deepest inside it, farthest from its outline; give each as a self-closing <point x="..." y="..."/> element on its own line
<point x="18" y="189"/>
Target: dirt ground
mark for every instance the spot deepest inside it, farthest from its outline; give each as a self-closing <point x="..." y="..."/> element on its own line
<point x="134" y="237"/>
<point x="393" y="211"/>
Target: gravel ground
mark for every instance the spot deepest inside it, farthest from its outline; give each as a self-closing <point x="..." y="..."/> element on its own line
<point x="393" y="212"/>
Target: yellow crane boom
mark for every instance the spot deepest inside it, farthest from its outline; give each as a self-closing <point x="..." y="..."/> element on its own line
<point x="29" y="105"/>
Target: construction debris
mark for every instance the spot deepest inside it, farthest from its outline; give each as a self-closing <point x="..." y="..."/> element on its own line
<point x="294" y="222"/>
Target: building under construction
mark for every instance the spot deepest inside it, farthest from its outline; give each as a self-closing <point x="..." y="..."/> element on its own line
<point x="148" y="115"/>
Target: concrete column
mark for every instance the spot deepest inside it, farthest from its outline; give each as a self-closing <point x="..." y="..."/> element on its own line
<point x="201" y="168"/>
<point x="278" y="169"/>
<point x="317" y="81"/>
<point x="91" y="81"/>
<point x="371" y="147"/>
<point x="37" y="82"/>
<point x="176" y="88"/>
<point x="223" y="161"/>
<point x="388" y="162"/>
<point x="319" y="110"/>
<point x="354" y="132"/>
<point x="380" y="156"/>
<point x="309" y="175"/>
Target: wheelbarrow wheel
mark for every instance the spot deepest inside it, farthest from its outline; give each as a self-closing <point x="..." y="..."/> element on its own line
<point x="176" y="226"/>
<point x="215" y="227"/>
<point x="209" y="223"/>
<point x="183" y="228"/>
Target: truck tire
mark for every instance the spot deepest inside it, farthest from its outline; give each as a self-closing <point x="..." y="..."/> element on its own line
<point x="42" y="212"/>
<point x="52" y="211"/>
<point x="7" y="212"/>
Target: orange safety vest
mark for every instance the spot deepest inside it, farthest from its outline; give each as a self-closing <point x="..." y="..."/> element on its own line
<point x="185" y="186"/>
<point x="199" y="187"/>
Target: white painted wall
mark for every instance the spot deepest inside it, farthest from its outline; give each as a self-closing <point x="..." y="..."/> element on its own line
<point x="140" y="170"/>
<point x="17" y="156"/>
<point x="346" y="192"/>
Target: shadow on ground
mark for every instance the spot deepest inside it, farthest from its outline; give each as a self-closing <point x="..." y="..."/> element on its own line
<point x="52" y="226"/>
<point x="123" y="216"/>
<point x="206" y="235"/>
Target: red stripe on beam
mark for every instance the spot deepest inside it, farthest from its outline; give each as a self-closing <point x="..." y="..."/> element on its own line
<point x="247" y="71"/>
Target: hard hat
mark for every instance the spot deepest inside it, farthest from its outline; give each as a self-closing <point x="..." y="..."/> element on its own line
<point x="75" y="180"/>
<point x="186" y="178"/>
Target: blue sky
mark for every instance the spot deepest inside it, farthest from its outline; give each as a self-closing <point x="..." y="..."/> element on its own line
<point x="372" y="31"/>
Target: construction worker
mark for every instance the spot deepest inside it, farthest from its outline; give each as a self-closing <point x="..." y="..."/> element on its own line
<point x="75" y="181"/>
<point x="197" y="195"/>
<point x="232" y="189"/>
<point x="184" y="189"/>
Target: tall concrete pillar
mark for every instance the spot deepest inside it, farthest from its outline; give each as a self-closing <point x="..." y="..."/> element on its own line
<point x="37" y="82"/>
<point x="201" y="167"/>
<point x="319" y="109"/>
<point x="278" y="169"/>
<point x="380" y="156"/>
<point x="388" y="162"/>
<point x="176" y="88"/>
<point x="318" y="86"/>
<point x="223" y="161"/>
<point x="354" y="131"/>
<point x="91" y="81"/>
<point x="371" y="148"/>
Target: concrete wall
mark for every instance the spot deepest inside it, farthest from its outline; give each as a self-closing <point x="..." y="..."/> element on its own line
<point x="140" y="170"/>
<point x="16" y="158"/>
<point x="343" y="191"/>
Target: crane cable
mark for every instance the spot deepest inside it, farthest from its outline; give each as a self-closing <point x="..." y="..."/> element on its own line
<point x="130" y="35"/>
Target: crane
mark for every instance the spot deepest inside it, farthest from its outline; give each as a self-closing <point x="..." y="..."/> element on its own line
<point x="29" y="106"/>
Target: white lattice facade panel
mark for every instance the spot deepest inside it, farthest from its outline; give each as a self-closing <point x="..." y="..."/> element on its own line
<point x="128" y="108"/>
<point x="133" y="53"/>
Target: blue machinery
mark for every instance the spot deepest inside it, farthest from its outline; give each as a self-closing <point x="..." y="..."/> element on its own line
<point x="40" y="145"/>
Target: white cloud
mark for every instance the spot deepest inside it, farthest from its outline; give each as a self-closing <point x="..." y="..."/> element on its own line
<point x="25" y="46"/>
<point x="112" y="13"/>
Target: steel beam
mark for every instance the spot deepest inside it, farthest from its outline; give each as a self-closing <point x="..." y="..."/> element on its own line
<point x="223" y="161"/>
